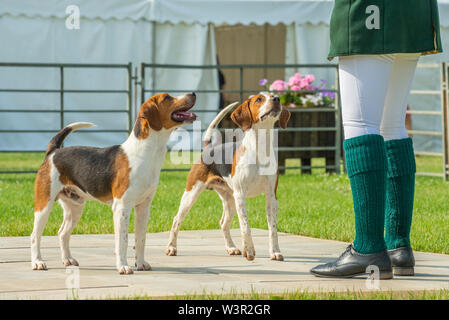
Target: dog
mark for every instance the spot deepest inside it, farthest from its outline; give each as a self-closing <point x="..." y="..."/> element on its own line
<point x="122" y="176"/>
<point x="239" y="178"/>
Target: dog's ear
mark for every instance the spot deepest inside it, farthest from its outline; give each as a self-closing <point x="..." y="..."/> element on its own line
<point x="284" y="117"/>
<point x="151" y="114"/>
<point x="242" y="116"/>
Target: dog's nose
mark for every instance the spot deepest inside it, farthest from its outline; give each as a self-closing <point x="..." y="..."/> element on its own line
<point x="276" y="99"/>
<point x="193" y="94"/>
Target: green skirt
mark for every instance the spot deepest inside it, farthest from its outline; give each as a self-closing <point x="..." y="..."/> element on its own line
<point x="384" y="27"/>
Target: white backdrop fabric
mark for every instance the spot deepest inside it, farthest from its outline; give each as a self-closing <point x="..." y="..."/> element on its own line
<point x="116" y="31"/>
<point x="46" y="40"/>
<point x="309" y="44"/>
<point x="111" y="32"/>
<point x="187" y="44"/>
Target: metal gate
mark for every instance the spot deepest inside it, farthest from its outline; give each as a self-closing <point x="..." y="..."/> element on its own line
<point x="62" y="90"/>
<point x="132" y="83"/>
<point x="336" y="147"/>
<point x="443" y="113"/>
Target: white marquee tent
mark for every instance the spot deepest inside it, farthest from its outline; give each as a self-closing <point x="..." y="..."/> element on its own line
<point x="161" y="31"/>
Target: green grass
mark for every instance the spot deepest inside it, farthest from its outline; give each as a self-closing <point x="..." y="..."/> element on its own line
<point x="316" y="205"/>
<point x="442" y="294"/>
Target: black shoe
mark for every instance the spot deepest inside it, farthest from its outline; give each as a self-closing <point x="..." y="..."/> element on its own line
<point x="402" y="261"/>
<point x="351" y="263"/>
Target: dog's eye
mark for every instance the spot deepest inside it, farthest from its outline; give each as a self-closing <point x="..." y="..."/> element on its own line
<point x="167" y="98"/>
<point x="259" y="99"/>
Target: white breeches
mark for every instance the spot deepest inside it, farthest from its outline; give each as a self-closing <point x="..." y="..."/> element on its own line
<point x="374" y="92"/>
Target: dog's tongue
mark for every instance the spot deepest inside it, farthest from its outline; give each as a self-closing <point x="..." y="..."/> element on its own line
<point x="184" y="116"/>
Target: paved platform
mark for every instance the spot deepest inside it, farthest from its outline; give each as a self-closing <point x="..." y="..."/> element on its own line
<point x="201" y="266"/>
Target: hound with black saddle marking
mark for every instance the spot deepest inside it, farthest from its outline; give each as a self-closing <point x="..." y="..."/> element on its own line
<point x="122" y="176"/>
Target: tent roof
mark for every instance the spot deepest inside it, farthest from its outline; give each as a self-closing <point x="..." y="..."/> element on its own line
<point x="189" y="11"/>
<point x="243" y="11"/>
<point x="89" y="9"/>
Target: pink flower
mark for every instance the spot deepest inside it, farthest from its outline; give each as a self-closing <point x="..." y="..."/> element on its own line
<point x="304" y="83"/>
<point x="310" y="78"/>
<point x="279" y="85"/>
<point x="295" y="88"/>
<point x="293" y="81"/>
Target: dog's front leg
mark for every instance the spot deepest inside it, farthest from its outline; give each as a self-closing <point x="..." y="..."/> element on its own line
<point x="142" y="212"/>
<point x="121" y="223"/>
<point x="272" y="212"/>
<point x="247" y="242"/>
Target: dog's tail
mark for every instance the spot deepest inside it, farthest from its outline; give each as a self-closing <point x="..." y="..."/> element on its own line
<point x="215" y="122"/>
<point x="58" y="139"/>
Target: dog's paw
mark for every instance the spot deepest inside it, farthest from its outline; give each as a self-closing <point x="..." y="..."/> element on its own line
<point x="143" y="266"/>
<point x="69" y="261"/>
<point x="249" y="254"/>
<point x="171" y="251"/>
<point x="38" y="265"/>
<point x="233" y="251"/>
<point x="125" y="270"/>
<point x="277" y="256"/>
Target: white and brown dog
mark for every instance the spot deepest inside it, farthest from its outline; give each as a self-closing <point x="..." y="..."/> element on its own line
<point x="239" y="178"/>
<point x="123" y="176"/>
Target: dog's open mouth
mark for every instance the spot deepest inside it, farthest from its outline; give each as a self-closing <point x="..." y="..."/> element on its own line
<point x="182" y="115"/>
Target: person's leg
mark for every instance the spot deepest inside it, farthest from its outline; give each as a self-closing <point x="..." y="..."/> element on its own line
<point x="363" y="89"/>
<point x="401" y="161"/>
<point x="363" y="84"/>
<point x="393" y="118"/>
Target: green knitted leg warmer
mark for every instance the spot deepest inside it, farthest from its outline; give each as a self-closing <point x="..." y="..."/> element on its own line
<point x="366" y="164"/>
<point x="400" y="192"/>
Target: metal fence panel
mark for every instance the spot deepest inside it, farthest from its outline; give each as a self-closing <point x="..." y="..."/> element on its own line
<point x="62" y="111"/>
<point x="336" y="147"/>
<point x="442" y="92"/>
<point x="62" y="90"/>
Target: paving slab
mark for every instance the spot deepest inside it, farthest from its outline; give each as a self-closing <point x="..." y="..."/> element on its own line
<point x="201" y="266"/>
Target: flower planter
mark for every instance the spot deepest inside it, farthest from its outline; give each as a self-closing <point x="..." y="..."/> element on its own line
<point x="308" y="139"/>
